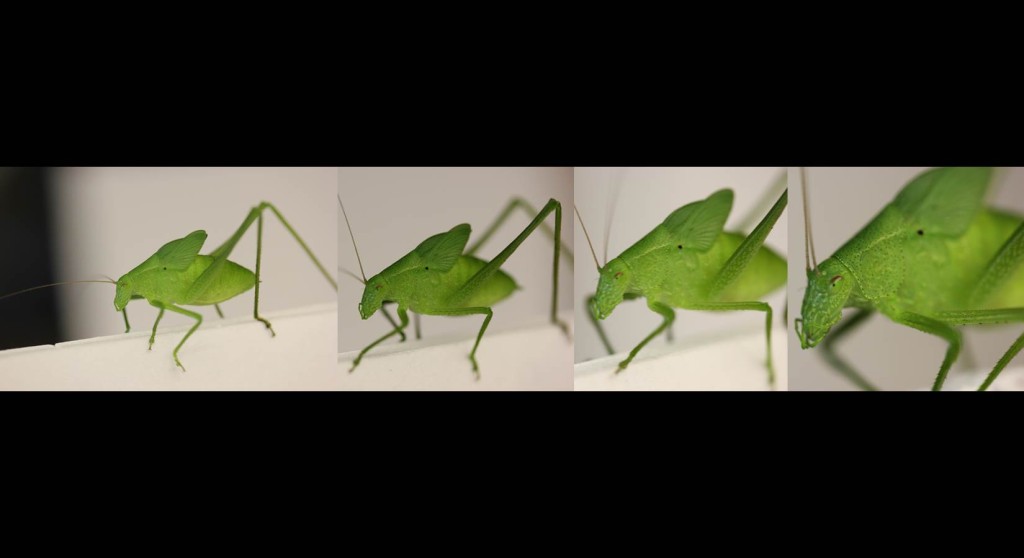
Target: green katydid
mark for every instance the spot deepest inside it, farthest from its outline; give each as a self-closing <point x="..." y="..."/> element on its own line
<point x="933" y="259"/>
<point x="177" y="275"/>
<point x="442" y="277"/>
<point x="689" y="262"/>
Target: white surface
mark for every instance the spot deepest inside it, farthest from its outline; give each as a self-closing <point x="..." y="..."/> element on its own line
<point x="1011" y="379"/>
<point x="110" y="219"/>
<point x="232" y="354"/>
<point x="648" y="195"/>
<point x="394" y="209"/>
<point x="890" y="356"/>
<point x="532" y="358"/>
<point x="708" y="364"/>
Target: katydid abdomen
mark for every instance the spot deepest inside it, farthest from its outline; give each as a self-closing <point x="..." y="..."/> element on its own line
<point x="680" y="276"/>
<point x="172" y="287"/>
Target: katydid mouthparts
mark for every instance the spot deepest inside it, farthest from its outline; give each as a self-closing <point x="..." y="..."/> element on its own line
<point x="690" y="262"/>
<point x="933" y="259"/>
<point x="177" y="275"/>
<point x="442" y="277"/>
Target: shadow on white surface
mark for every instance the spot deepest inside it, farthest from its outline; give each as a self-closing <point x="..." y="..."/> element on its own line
<point x="532" y="358"/>
<point x="712" y="363"/>
<point x="231" y="354"/>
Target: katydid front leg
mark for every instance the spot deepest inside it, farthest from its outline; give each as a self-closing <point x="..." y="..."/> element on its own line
<point x="404" y="317"/>
<point x="832" y="357"/>
<point x="669" y="316"/>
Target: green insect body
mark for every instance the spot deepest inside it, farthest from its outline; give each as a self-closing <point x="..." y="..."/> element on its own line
<point x="431" y="276"/>
<point x="177" y="275"/>
<point x="689" y="262"/>
<point x="933" y="259"/>
<point x="437" y="278"/>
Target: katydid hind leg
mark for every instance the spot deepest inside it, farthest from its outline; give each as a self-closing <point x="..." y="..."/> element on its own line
<point x="754" y="306"/>
<point x="416" y="320"/>
<point x="219" y="311"/>
<point x="220" y="255"/>
<point x="828" y="347"/>
<point x="746" y="251"/>
<point x="669" y="316"/>
<point x="404" y="317"/>
<point x="525" y="206"/>
<point x="495" y="264"/>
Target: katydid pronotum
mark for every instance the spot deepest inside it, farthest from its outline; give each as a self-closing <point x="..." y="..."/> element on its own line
<point x="933" y="259"/>
<point x="441" y="276"/>
<point x="177" y="275"/>
<point x="688" y="261"/>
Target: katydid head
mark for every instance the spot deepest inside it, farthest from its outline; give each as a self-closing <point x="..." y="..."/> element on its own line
<point x="616" y="279"/>
<point x="123" y="293"/>
<point x="828" y="288"/>
<point x="374" y="296"/>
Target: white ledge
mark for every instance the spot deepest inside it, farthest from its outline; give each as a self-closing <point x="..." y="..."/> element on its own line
<point x="1010" y="379"/>
<point x="533" y="358"/>
<point x="734" y="363"/>
<point x="230" y="354"/>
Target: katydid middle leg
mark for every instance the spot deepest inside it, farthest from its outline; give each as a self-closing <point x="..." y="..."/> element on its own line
<point x="998" y="316"/>
<point x="466" y="312"/>
<point x="753" y="305"/>
<point x="938" y="328"/>
<point x="197" y="317"/>
<point x="152" y="336"/>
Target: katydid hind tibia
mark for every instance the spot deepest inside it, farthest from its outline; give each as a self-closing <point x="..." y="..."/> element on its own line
<point x="934" y="252"/>
<point x="674" y="266"/>
<point x="435" y="240"/>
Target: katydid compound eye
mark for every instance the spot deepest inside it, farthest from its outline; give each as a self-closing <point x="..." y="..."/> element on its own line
<point x="617" y="275"/>
<point x="378" y="287"/>
<point x="836" y="279"/>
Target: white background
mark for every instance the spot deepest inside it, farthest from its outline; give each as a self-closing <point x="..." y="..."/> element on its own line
<point x="394" y="209"/>
<point x="648" y="196"/>
<point x="890" y="356"/>
<point x="111" y="219"/>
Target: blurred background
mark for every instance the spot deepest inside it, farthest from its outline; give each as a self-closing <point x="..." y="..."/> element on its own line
<point x="393" y="209"/>
<point x="60" y="224"/>
<point x="646" y="197"/>
<point x="890" y="356"/>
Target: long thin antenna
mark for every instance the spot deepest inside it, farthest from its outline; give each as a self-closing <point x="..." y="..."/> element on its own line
<point x="586" y="234"/>
<point x="350" y="274"/>
<point x="352" y="236"/>
<point x="610" y="213"/>
<point x="809" y="255"/>
<point x="23" y="291"/>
